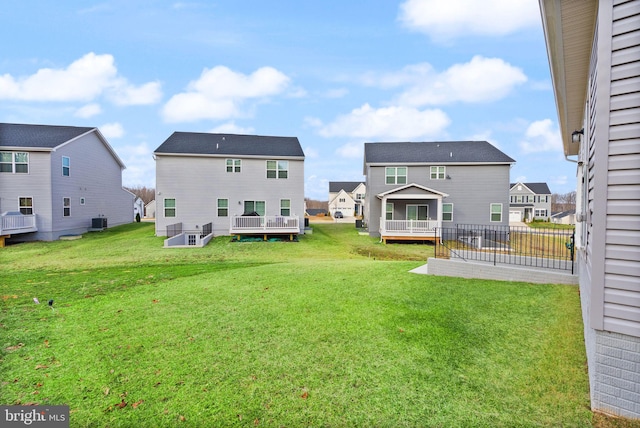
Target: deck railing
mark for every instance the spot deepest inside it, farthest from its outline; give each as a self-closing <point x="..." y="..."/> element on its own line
<point x="411" y="227"/>
<point x="524" y="246"/>
<point x="18" y="224"/>
<point x="264" y="224"/>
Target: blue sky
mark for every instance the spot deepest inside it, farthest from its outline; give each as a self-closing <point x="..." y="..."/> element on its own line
<point x="333" y="73"/>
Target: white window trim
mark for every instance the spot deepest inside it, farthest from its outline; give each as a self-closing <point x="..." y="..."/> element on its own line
<point x="395" y="175"/>
<point x="20" y="206"/>
<point x="174" y="208"/>
<point x="63" y="167"/>
<point x="218" y="208"/>
<point x="437" y="172"/>
<point x="66" y="206"/>
<point x="281" y="207"/>
<point x="443" y="213"/>
<point x="417" y="210"/>
<point x="14" y="163"/>
<point x="393" y="208"/>
<point x="233" y="165"/>
<point x="491" y="212"/>
<point x="277" y="170"/>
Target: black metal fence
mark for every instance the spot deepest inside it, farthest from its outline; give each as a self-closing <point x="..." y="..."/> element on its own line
<point x="543" y="248"/>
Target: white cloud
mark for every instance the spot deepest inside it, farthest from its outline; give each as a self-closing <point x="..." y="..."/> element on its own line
<point x="220" y="93"/>
<point x="140" y="165"/>
<point x="450" y="19"/>
<point x="311" y="153"/>
<point x="541" y="136"/>
<point x="232" y="128"/>
<point x="479" y="80"/>
<point x="112" y="130"/>
<point x="88" y="110"/>
<point x="83" y="80"/>
<point x="387" y="123"/>
<point x="351" y="150"/>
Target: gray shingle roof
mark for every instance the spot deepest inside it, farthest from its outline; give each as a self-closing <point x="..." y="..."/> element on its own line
<point x="38" y="136"/>
<point x="434" y="152"/>
<point x="537" y="188"/>
<point x="347" y="186"/>
<point x="230" y="145"/>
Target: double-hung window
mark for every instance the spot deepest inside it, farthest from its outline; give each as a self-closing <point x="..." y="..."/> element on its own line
<point x="447" y="212"/>
<point x="496" y="212"/>
<point x="277" y="169"/>
<point x="234" y="165"/>
<point x="66" y="166"/>
<point x="285" y="207"/>
<point x="26" y="206"/>
<point x="395" y="175"/>
<point x="438" y="173"/>
<point x="66" y="207"/>
<point x="170" y="207"/>
<point x="223" y="207"/>
<point x="388" y="212"/>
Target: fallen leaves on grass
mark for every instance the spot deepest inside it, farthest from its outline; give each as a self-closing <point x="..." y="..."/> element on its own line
<point x="41" y="366"/>
<point x="14" y="347"/>
<point x="137" y="403"/>
<point x="122" y="404"/>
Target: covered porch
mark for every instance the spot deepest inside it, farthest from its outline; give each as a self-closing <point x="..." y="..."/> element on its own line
<point x="411" y="213"/>
<point x="265" y="225"/>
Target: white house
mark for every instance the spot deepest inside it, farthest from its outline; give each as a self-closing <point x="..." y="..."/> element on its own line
<point x="529" y="201"/>
<point x="347" y="197"/>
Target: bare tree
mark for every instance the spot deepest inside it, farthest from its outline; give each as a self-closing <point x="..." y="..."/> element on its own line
<point x="313" y="204"/>
<point x="563" y="202"/>
<point x="147" y="194"/>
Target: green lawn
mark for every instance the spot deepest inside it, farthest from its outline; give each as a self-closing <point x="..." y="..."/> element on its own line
<point x="329" y="331"/>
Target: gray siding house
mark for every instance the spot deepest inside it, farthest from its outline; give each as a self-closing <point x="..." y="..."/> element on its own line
<point x="348" y="197"/>
<point x="594" y="56"/>
<point x="59" y="178"/>
<point x="241" y="184"/>
<point x="529" y="201"/>
<point x="414" y="189"/>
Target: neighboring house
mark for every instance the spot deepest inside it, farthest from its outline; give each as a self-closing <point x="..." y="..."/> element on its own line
<point x="60" y="178"/>
<point x="529" y="201"/>
<point x="313" y="212"/>
<point x="138" y="207"/>
<point x="594" y="56"/>
<point x="414" y="189"/>
<point x="241" y="184"/>
<point x="564" y="217"/>
<point x="347" y="197"/>
<point x="150" y="210"/>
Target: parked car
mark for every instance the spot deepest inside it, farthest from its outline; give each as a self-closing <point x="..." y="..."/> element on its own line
<point x="338" y="214"/>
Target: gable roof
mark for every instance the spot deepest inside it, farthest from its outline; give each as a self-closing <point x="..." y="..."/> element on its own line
<point x="38" y="136"/>
<point x="441" y="152"/>
<point x="347" y="186"/>
<point x="537" y="188"/>
<point x="412" y="186"/>
<point x="47" y="137"/>
<point x="195" y="143"/>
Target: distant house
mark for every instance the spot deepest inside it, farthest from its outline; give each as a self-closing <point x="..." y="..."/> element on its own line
<point x="138" y="207"/>
<point x="150" y="210"/>
<point x="414" y="189"/>
<point x="347" y="197"/>
<point x="234" y="184"/>
<point x="564" y="217"/>
<point x="312" y="212"/>
<point x="529" y="201"/>
<point x="59" y="178"/>
<point x="594" y="56"/>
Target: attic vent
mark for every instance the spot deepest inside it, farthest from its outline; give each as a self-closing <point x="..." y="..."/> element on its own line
<point x="450" y="154"/>
<point x="216" y="146"/>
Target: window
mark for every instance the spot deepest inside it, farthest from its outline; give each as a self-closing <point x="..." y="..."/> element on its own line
<point x="234" y="165"/>
<point x="14" y="162"/>
<point x="285" y="207"/>
<point x="254" y="206"/>
<point x="438" y="173"/>
<point x="541" y="212"/>
<point x="277" y="169"/>
<point x="496" y="212"/>
<point x="223" y="207"/>
<point x="360" y="196"/>
<point x="447" y="212"/>
<point x="66" y="207"/>
<point x="66" y="166"/>
<point x="343" y="199"/>
<point x="389" y="211"/>
<point x="26" y="206"/>
<point x="417" y="212"/>
<point x="396" y="175"/>
<point x="170" y="207"/>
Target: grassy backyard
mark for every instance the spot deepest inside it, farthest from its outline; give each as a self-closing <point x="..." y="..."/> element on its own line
<point x="329" y="331"/>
